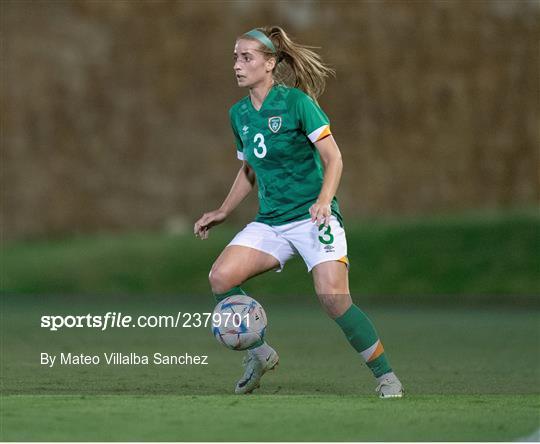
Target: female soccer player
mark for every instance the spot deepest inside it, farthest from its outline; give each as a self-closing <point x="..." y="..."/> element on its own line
<point x="284" y="141"/>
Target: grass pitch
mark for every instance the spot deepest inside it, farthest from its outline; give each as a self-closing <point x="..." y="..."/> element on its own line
<point x="269" y="418"/>
<point x="470" y="375"/>
<point x="475" y="259"/>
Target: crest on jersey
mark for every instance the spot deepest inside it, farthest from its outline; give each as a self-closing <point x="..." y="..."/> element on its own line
<point x="274" y="123"/>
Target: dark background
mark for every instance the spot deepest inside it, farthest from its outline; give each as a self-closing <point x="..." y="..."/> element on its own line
<point x="114" y="113"/>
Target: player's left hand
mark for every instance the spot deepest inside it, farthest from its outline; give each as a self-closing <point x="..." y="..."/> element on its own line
<point x="320" y="213"/>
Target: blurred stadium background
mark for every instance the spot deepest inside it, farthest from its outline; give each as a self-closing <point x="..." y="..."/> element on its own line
<point x="115" y="113"/>
<point x="114" y="122"/>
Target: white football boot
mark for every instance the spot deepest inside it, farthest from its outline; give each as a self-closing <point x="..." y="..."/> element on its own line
<point x="389" y="387"/>
<point x="255" y="368"/>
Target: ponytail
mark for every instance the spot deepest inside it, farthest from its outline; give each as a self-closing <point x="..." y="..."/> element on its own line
<point x="296" y="65"/>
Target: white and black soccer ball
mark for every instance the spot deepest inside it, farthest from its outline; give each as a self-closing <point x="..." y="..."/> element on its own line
<point x="238" y="322"/>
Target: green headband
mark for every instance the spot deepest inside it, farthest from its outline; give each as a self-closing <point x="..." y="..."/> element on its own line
<point x="261" y="37"/>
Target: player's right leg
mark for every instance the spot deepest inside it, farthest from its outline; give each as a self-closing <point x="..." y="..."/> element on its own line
<point x="253" y="251"/>
<point x="235" y="265"/>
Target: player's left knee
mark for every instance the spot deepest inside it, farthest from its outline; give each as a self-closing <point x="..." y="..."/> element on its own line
<point x="335" y="304"/>
<point x="332" y="286"/>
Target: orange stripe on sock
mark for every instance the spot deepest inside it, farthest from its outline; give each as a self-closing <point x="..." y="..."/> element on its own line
<point x="378" y="352"/>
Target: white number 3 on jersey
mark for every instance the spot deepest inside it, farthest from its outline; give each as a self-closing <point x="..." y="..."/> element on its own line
<point x="259" y="140"/>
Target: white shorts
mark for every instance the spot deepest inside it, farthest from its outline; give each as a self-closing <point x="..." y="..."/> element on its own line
<point x="303" y="237"/>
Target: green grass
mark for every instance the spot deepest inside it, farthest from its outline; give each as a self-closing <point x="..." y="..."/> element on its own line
<point x="471" y="259"/>
<point x="470" y="374"/>
<point x="268" y="418"/>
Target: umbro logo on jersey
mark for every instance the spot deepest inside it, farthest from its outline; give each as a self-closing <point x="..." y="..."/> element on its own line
<point x="245" y="129"/>
<point x="274" y="123"/>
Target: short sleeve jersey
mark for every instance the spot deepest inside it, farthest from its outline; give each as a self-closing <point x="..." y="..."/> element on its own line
<point x="277" y="141"/>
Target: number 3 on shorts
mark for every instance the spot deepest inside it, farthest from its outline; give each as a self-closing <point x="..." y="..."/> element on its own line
<point x="326" y="237"/>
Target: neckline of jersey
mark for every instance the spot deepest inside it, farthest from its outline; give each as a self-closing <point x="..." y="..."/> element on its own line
<point x="271" y="92"/>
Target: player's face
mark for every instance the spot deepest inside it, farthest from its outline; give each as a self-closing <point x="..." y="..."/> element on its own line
<point x="250" y="65"/>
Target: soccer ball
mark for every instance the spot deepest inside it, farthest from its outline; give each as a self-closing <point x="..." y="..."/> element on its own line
<point x="238" y="322"/>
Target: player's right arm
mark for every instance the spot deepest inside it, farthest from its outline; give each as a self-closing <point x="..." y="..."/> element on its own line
<point x="241" y="187"/>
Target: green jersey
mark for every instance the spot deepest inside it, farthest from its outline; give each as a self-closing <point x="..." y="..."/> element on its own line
<point x="278" y="143"/>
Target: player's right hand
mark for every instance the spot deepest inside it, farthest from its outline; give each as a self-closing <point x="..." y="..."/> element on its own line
<point x="207" y="221"/>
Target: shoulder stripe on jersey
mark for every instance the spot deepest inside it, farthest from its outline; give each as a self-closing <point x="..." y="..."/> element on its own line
<point x="319" y="133"/>
<point x="240" y="155"/>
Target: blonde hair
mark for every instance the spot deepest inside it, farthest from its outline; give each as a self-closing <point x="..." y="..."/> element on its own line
<point x="303" y="68"/>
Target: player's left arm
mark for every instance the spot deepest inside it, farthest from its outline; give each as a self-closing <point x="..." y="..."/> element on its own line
<point x="333" y="166"/>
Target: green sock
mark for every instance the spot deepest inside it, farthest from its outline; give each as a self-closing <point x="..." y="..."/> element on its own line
<point x="233" y="291"/>
<point x="361" y="334"/>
